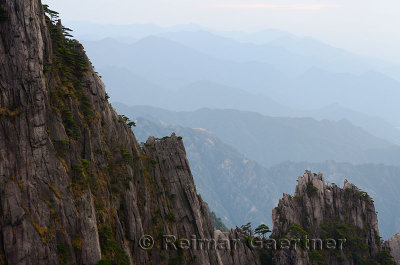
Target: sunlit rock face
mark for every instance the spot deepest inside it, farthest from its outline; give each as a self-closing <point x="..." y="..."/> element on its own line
<point x="394" y="245"/>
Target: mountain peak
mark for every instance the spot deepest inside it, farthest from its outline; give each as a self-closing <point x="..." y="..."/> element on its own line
<point x="320" y="211"/>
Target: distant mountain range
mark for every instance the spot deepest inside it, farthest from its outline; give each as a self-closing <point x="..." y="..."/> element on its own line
<point x="132" y="89"/>
<point x="227" y="180"/>
<point x="202" y="38"/>
<point x="289" y="54"/>
<point x="271" y="140"/>
<point x="277" y="70"/>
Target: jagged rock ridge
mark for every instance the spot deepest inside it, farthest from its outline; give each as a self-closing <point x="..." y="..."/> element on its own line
<point x="323" y="212"/>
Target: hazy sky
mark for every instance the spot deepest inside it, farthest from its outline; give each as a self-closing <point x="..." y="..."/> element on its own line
<point x="364" y="26"/>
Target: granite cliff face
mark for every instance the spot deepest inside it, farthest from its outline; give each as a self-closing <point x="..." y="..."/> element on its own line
<point x="226" y="179"/>
<point x="394" y="245"/>
<point x="76" y="187"/>
<point x="323" y="213"/>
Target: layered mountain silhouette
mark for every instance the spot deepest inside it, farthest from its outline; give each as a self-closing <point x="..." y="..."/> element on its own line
<point x="271" y="140"/>
<point x="277" y="70"/>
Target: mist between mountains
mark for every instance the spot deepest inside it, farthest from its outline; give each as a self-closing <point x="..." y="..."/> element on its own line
<point x="171" y="242"/>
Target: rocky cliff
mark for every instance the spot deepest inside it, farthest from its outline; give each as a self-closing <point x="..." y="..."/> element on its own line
<point x="226" y="179"/>
<point x="76" y="187"/>
<point x="394" y="245"/>
<point x="335" y="225"/>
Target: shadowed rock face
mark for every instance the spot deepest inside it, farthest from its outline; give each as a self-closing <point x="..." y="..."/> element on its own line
<point x="75" y="185"/>
<point x="394" y="245"/>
